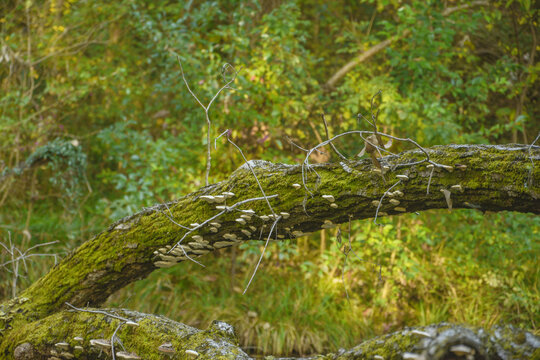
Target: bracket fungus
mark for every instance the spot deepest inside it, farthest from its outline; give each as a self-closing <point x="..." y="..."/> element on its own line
<point x="447" y="197"/>
<point x="229" y="236"/>
<point x="457" y="187"/>
<point x="102" y="344"/>
<point x="192" y="354"/>
<point x="328" y="224"/>
<point x="62" y="345"/>
<point x="208" y="198"/>
<point x="127" y="355"/>
<point x="219" y="198"/>
<point x="246" y="232"/>
<point x="167" y="349"/>
<point x="329" y="198"/>
<point x="462" y="350"/>
<point x="222" y="244"/>
<point x="412" y="356"/>
<point x="167" y="258"/>
<point x="164" y="264"/>
<point x="421" y="333"/>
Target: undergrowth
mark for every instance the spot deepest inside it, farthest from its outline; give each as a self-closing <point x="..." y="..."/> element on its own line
<point x="472" y="269"/>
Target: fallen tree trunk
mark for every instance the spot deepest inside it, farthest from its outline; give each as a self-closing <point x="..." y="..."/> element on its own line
<point x="487" y="178"/>
<point x="68" y="335"/>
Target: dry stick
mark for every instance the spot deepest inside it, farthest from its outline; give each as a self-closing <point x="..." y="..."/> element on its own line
<point x="375" y="117"/>
<point x="171" y="216"/>
<point x="305" y="163"/>
<point x="206" y="109"/>
<point x="227" y="133"/>
<point x="429" y="181"/>
<point x="362" y="57"/>
<point x="262" y="253"/>
<point x="102" y="313"/>
<point x="12" y="250"/>
<point x="377" y="147"/>
<point x="332" y="144"/>
<point x="380" y="202"/>
<point x="529" y="180"/>
<point x="113" y="339"/>
<point x="299" y="147"/>
<point x="346" y="253"/>
<point x="276" y="217"/>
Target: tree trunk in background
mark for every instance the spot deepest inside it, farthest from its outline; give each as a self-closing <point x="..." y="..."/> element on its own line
<point x="486" y="178"/>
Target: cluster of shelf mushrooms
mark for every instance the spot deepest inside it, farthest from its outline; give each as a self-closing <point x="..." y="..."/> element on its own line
<point x="64" y="350"/>
<point x="197" y="245"/>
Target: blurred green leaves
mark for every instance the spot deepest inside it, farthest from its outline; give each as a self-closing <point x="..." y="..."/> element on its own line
<point x="101" y="74"/>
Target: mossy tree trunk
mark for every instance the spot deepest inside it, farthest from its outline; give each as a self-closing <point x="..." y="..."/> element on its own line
<point x="486" y="178"/>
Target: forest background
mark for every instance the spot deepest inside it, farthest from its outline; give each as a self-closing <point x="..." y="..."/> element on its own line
<point x="96" y="123"/>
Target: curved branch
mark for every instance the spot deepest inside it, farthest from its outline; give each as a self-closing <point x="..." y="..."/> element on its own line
<point x="75" y="334"/>
<point x="363" y="57"/>
<point x="488" y="178"/>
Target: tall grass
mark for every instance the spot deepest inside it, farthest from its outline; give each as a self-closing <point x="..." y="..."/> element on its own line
<point x="465" y="267"/>
<point x="297" y="304"/>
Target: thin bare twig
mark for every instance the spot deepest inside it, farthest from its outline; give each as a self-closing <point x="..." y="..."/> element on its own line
<point x="207" y="108"/>
<point x="17" y="256"/>
<point x="529" y="180"/>
<point x="262" y="253"/>
<point x="306" y="164"/>
<point x="429" y="181"/>
<point x="328" y="137"/>
<point x="102" y="312"/>
<point x="227" y="134"/>
<point x="381" y="200"/>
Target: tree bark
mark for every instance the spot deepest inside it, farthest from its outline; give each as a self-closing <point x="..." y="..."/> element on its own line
<point x="482" y="177"/>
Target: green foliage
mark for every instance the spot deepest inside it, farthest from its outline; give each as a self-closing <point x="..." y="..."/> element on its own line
<point x="102" y="75"/>
<point x="67" y="163"/>
<point x="433" y="267"/>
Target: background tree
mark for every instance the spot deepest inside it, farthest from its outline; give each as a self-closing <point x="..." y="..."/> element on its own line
<point x="100" y="77"/>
